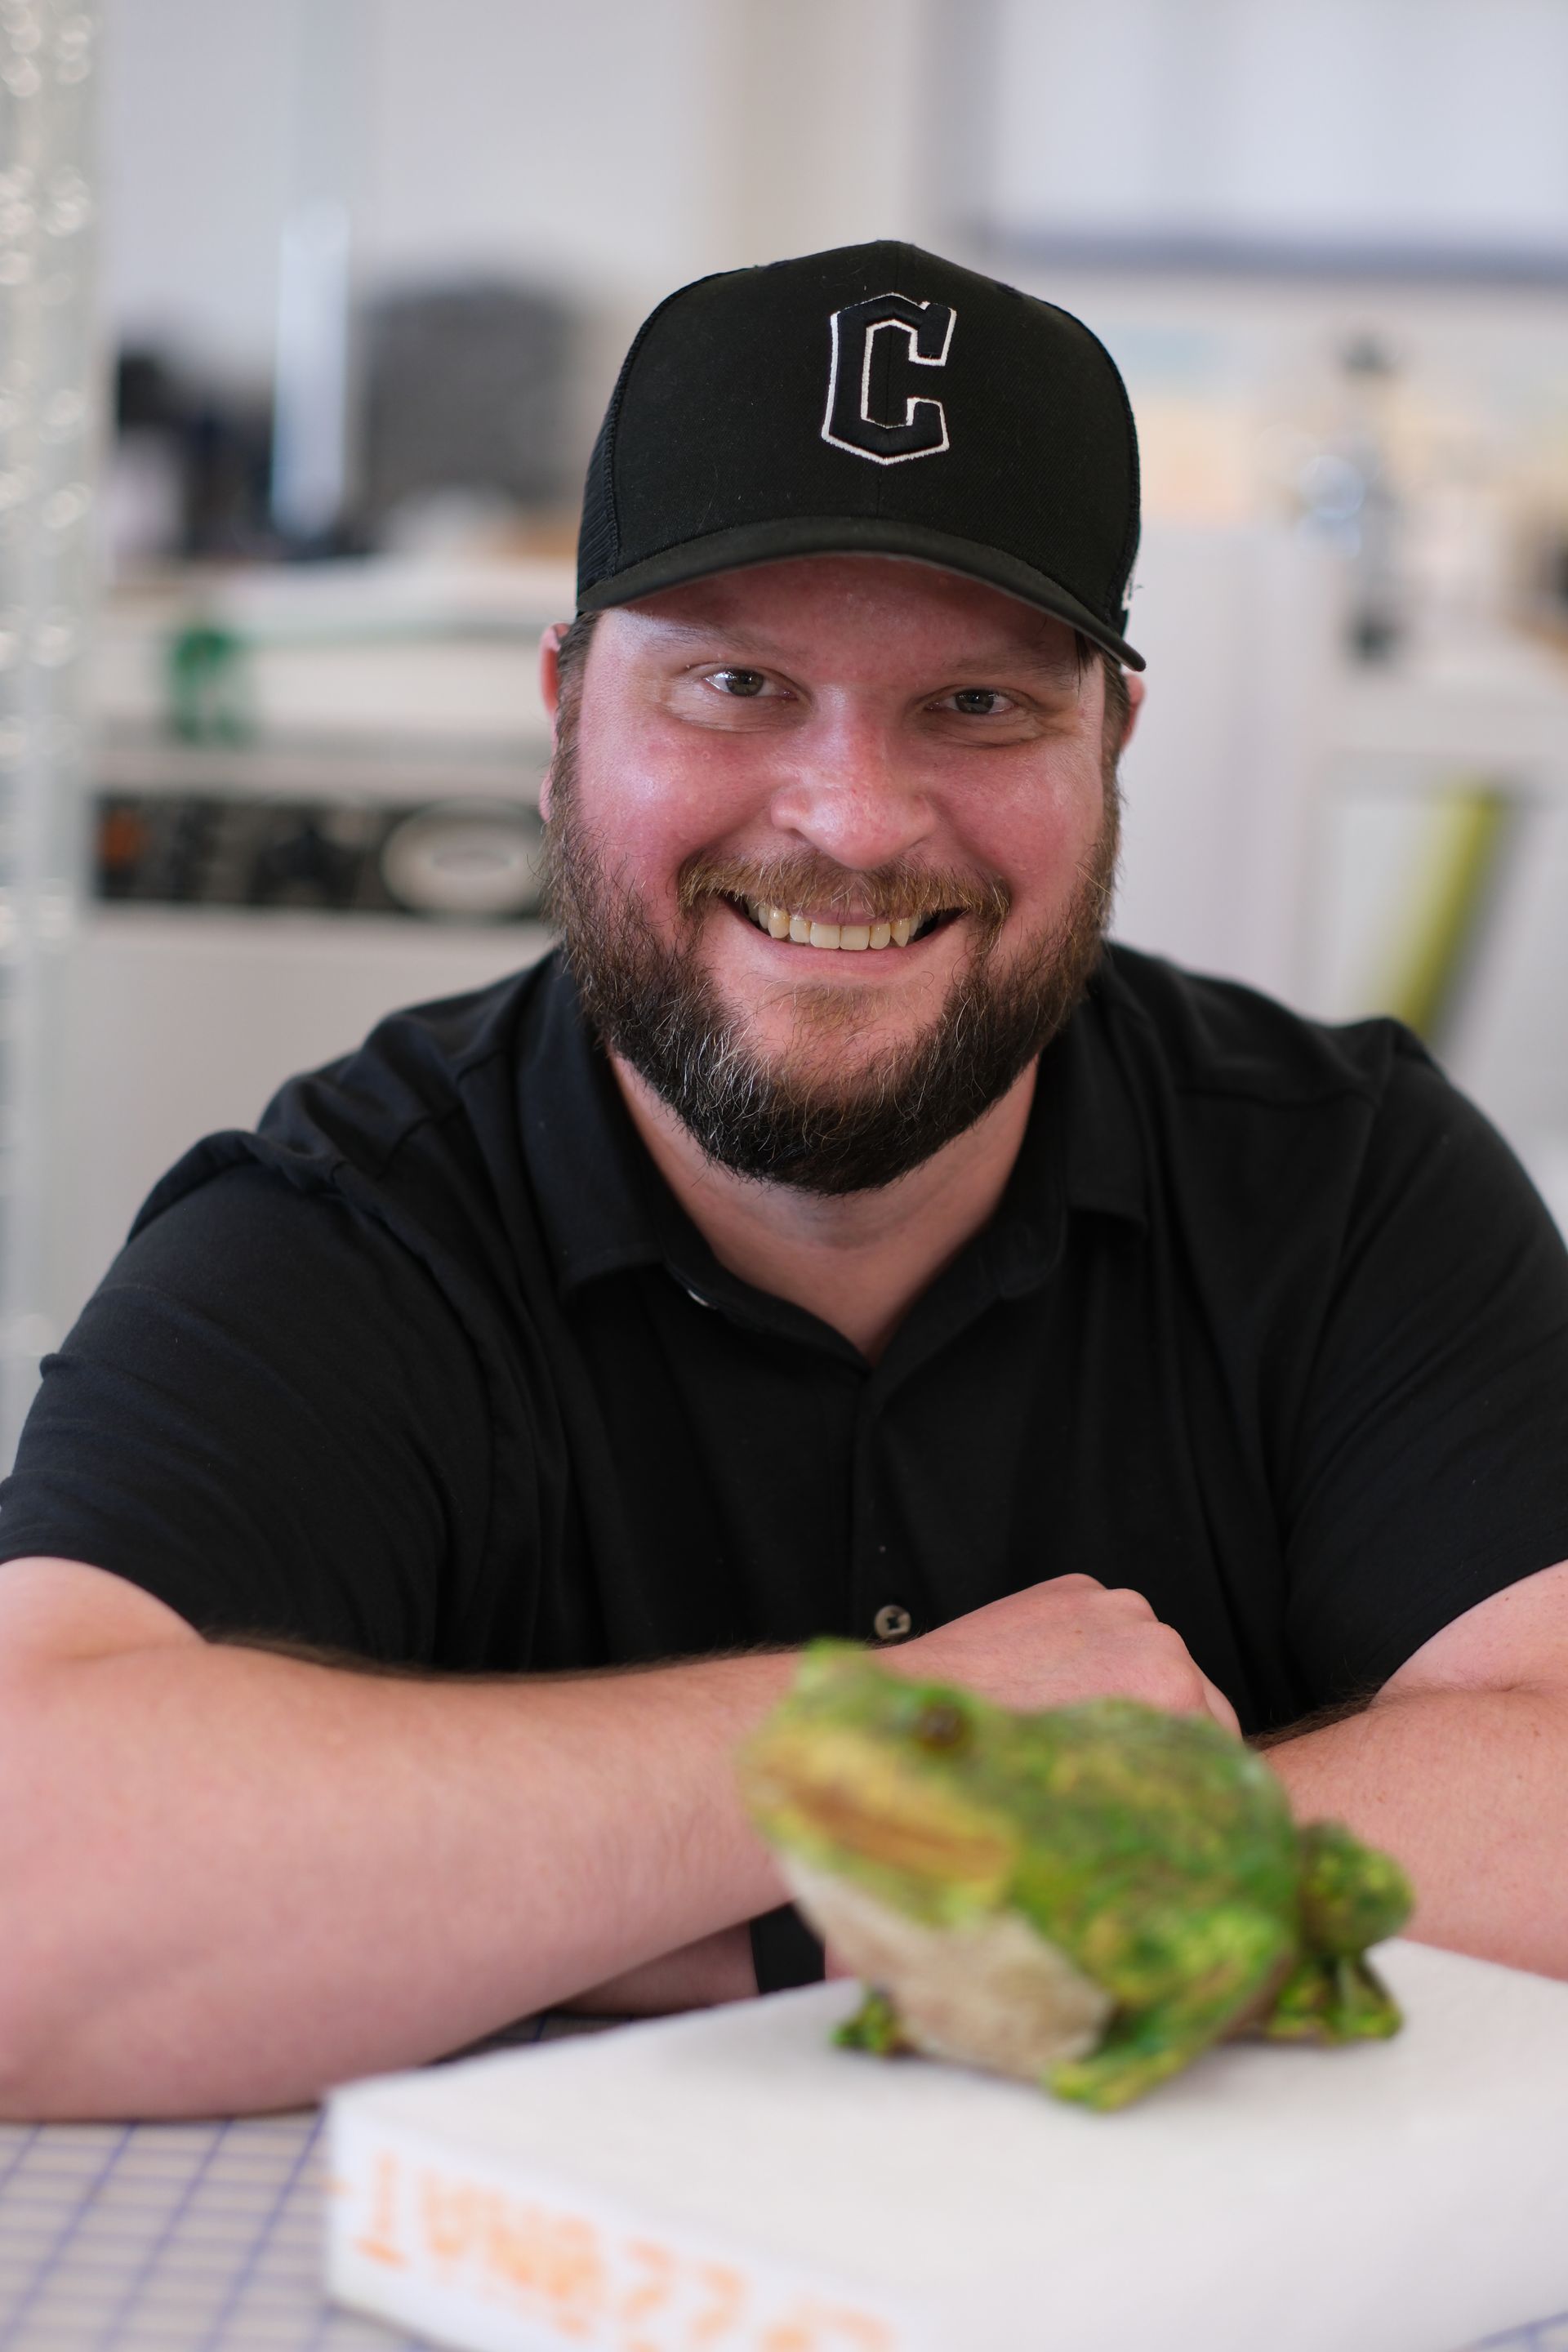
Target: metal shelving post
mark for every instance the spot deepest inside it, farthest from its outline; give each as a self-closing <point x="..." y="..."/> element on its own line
<point x="51" y="425"/>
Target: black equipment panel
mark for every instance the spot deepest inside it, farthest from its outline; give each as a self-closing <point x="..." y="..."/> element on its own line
<point x="472" y="860"/>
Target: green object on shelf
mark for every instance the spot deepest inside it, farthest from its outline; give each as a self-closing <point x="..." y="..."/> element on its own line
<point x="205" y="668"/>
<point x="1454" y="887"/>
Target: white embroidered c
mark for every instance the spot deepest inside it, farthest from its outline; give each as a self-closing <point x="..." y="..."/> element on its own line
<point x="848" y="424"/>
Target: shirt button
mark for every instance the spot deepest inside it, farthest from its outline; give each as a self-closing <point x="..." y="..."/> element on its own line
<point x="892" y="1621"/>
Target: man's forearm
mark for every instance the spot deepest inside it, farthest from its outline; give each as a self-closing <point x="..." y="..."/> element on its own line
<point x="196" y="1839"/>
<point x="1468" y="1788"/>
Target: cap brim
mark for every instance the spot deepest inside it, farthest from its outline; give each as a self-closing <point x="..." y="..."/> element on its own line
<point x="771" y="542"/>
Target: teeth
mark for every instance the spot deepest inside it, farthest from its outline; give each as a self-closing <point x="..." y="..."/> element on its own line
<point x="780" y="924"/>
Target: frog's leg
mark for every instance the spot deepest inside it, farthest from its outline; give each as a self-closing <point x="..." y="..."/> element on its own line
<point x="1351" y="1898"/>
<point x="876" y="2025"/>
<point x="1221" y="1963"/>
<point x="1325" y="1999"/>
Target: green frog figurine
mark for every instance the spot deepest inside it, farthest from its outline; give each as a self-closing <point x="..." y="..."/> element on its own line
<point x="1085" y="1898"/>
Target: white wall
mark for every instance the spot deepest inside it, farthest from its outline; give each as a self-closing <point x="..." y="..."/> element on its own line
<point x="1382" y="120"/>
<point x="620" y="147"/>
<point x="1224" y="780"/>
<point x="196" y="170"/>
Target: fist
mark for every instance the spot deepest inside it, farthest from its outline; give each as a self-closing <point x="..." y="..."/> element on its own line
<point x="1067" y="1640"/>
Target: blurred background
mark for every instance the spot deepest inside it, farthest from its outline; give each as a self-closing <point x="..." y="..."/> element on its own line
<point x="308" y="314"/>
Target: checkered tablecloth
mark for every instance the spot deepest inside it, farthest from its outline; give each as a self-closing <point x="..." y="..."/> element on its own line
<point x="178" y="2237"/>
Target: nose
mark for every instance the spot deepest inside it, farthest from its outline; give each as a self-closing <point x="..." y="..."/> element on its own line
<point x="853" y="792"/>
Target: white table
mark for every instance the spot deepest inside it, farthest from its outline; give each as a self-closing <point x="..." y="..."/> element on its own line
<point x="207" y="2238"/>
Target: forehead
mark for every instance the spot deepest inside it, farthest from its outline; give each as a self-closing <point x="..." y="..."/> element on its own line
<point x="844" y="606"/>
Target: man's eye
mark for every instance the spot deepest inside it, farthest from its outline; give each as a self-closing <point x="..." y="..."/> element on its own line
<point x="980" y="701"/>
<point x="741" y="682"/>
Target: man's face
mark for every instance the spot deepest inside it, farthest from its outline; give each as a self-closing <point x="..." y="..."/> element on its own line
<point x="881" y="750"/>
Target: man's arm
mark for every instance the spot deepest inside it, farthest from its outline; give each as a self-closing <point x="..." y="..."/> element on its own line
<point x="229" y="1878"/>
<point x="1459" y="1767"/>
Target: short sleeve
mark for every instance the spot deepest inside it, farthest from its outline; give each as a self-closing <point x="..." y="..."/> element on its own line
<point x="268" y="1416"/>
<point x="1430" y="1465"/>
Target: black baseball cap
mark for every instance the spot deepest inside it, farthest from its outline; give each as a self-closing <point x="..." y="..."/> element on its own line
<point x="873" y="400"/>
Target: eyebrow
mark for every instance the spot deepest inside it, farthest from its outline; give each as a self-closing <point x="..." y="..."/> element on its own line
<point x="736" y="637"/>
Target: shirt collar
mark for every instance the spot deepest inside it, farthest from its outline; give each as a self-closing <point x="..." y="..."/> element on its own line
<point x="590" y="1175"/>
<point x="605" y="1208"/>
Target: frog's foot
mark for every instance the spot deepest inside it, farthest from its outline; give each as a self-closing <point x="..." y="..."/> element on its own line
<point x="1331" y="2000"/>
<point x="1136" y="2054"/>
<point x="876" y="2026"/>
<point x="1226" y="1963"/>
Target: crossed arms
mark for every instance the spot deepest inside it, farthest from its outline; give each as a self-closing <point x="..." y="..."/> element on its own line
<point x="230" y="1878"/>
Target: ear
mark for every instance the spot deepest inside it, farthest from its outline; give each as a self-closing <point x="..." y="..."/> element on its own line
<point x="550" y="666"/>
<point x="549" y="693"/>
<point x="1136" y="690"/>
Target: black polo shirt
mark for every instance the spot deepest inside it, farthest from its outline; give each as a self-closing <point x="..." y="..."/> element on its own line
<point x="1269" y="1325"/>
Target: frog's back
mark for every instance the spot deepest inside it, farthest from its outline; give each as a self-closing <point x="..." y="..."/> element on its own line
<point x="1122" y="1804"/>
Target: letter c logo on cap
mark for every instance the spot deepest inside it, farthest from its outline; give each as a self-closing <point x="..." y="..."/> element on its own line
<point x="864" y="334"/>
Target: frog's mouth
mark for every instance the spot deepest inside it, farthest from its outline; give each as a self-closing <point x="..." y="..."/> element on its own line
<point x="833" y="1797"/>
<point x="911" y="1842"/>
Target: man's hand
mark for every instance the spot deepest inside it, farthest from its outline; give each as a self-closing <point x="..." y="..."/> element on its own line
<point x="1065" y="1640"/>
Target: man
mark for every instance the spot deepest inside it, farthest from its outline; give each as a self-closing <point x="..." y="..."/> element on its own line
<point x="836" y="1241"/>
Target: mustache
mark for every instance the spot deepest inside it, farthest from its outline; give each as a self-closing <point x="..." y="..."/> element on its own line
<point x="801" y="878"/>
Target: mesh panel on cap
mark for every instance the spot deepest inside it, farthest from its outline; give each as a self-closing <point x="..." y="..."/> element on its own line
<point x="598" y="540"/>
<point x="599" y="533"/>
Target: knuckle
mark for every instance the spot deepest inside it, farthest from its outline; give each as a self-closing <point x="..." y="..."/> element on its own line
<point x="1181" y="1687"/>
<point x="1171" y="1678"/>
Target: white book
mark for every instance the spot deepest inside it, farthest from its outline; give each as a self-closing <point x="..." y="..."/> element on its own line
<point x="731" y="2182"/>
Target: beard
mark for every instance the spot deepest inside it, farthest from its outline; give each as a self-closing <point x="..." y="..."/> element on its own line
<point x="816" y="1116"/>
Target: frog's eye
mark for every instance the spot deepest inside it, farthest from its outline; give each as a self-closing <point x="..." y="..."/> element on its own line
<point x="941" y="1725"/>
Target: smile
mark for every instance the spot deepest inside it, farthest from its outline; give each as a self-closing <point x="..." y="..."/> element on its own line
<point x="782" y="923"/>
